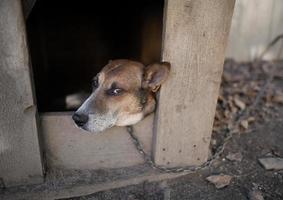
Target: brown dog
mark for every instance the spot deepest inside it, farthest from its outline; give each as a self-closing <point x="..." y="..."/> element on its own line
<point x="123" y="94"/>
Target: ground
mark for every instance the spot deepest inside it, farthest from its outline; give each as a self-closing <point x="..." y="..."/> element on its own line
<point x="248" y="126"/>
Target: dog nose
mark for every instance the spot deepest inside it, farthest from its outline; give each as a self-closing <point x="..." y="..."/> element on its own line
<point x="80" y="119"/>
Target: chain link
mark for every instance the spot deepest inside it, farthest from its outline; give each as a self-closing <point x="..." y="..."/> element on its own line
<point x="148" y="160"/>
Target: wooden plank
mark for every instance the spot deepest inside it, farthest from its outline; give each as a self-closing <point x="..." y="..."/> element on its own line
<point x="195" y="37"/>
<point x="68" y="147"/>
<point x="265" y="18"/>
<point x="20" y="161"/>
<point x="101" y="180"/>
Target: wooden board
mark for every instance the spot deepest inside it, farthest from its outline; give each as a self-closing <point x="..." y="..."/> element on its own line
<point x="78" y="184"/>
<point x="255" y="24"/>
<point x="195" y="37"/>
<point x="20" y="161"/>
<point x="68" y="147"/>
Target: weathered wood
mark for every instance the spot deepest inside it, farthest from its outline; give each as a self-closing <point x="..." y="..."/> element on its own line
<point x="255" y="23"/>
<point x="69" y="147"/>
<point x="86" y="183"/>
<point x="195" y="37"/>
<point x="20" y="161"/>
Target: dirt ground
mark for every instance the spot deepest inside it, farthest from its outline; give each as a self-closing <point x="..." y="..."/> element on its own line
<point x="248" y="126"/>
<point x="258" y="133"/>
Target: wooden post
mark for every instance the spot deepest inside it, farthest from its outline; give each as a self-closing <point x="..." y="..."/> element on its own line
<point x="20" y="161"/>
<point x="194" y="41"/>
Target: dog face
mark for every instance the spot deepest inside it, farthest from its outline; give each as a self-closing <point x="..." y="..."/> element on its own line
<point x="123" y="94"/>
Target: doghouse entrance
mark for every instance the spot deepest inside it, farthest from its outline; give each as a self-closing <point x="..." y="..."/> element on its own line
<point x="71" y="41"/>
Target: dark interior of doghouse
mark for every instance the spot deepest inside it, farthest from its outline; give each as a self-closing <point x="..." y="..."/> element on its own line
<point x="70" y="41"/>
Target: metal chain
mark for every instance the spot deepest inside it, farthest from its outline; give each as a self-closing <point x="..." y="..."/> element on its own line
<point x="148" y="160"/>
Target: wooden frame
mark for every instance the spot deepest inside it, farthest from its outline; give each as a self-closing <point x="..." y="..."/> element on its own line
<point x="195" y="37"/>
<point x="68" y="147"/>
<point x="20" y="157"/>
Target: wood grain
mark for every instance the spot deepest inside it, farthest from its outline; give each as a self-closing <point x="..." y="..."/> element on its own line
<point x="20" y="161"/>
<point x="194" y="41"/>
<point x="68" y="147"/>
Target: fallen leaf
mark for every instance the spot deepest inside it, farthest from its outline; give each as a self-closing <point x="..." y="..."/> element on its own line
<point x="220" y="181"/>
<point x="255" y="85"/>
<point x="255" y="195"/>
<point x="234" y="110"/>
<point x="235" y="157"/>
<point x="227" y="114"/>
<point x="251" y="119"/>
<point x="269" y="96"/>
<point x="271" y="163"/>
<point x="278" y="98"/>
<point x="240" y="104"/>
<point x="244" y="124"/>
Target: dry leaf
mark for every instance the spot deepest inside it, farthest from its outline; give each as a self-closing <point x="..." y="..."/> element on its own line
<point x="240" y="104"/>
<point x="234" y="110"/>
<point x="251" y="119"/>
<point x="220" y="181"/>
<point x="227" y="113"/>
<point x="278" y="98"/>
<point x="255" y="195"/>
<point x="235" y="157"/>
<point x="255" y="86"/>
<point x="244" y="124"/>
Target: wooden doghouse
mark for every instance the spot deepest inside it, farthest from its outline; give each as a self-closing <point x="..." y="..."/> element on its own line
<point x="194" y="39"/>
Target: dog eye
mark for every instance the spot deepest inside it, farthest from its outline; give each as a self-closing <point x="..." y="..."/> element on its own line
<point x="114" y="91"/>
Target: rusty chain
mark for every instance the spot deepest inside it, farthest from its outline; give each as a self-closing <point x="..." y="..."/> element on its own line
<point x="148" y="160"/>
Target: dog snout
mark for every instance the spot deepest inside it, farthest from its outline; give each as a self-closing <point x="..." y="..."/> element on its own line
<point x="80" y="119"/>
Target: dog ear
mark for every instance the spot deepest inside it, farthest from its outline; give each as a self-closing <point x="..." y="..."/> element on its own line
<point x="155" y="75"/>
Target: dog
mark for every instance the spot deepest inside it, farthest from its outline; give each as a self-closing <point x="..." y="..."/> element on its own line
<point x="123" y="94"/>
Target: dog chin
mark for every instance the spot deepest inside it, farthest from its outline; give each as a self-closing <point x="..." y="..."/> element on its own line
<point x="98" y="123"/>
<point x="94" y="129"/>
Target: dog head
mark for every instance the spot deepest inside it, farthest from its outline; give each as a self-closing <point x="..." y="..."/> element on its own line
<point x="123" y="94"/>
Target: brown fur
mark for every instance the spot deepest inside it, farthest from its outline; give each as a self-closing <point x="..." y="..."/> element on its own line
<point x="137" y="85"/>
